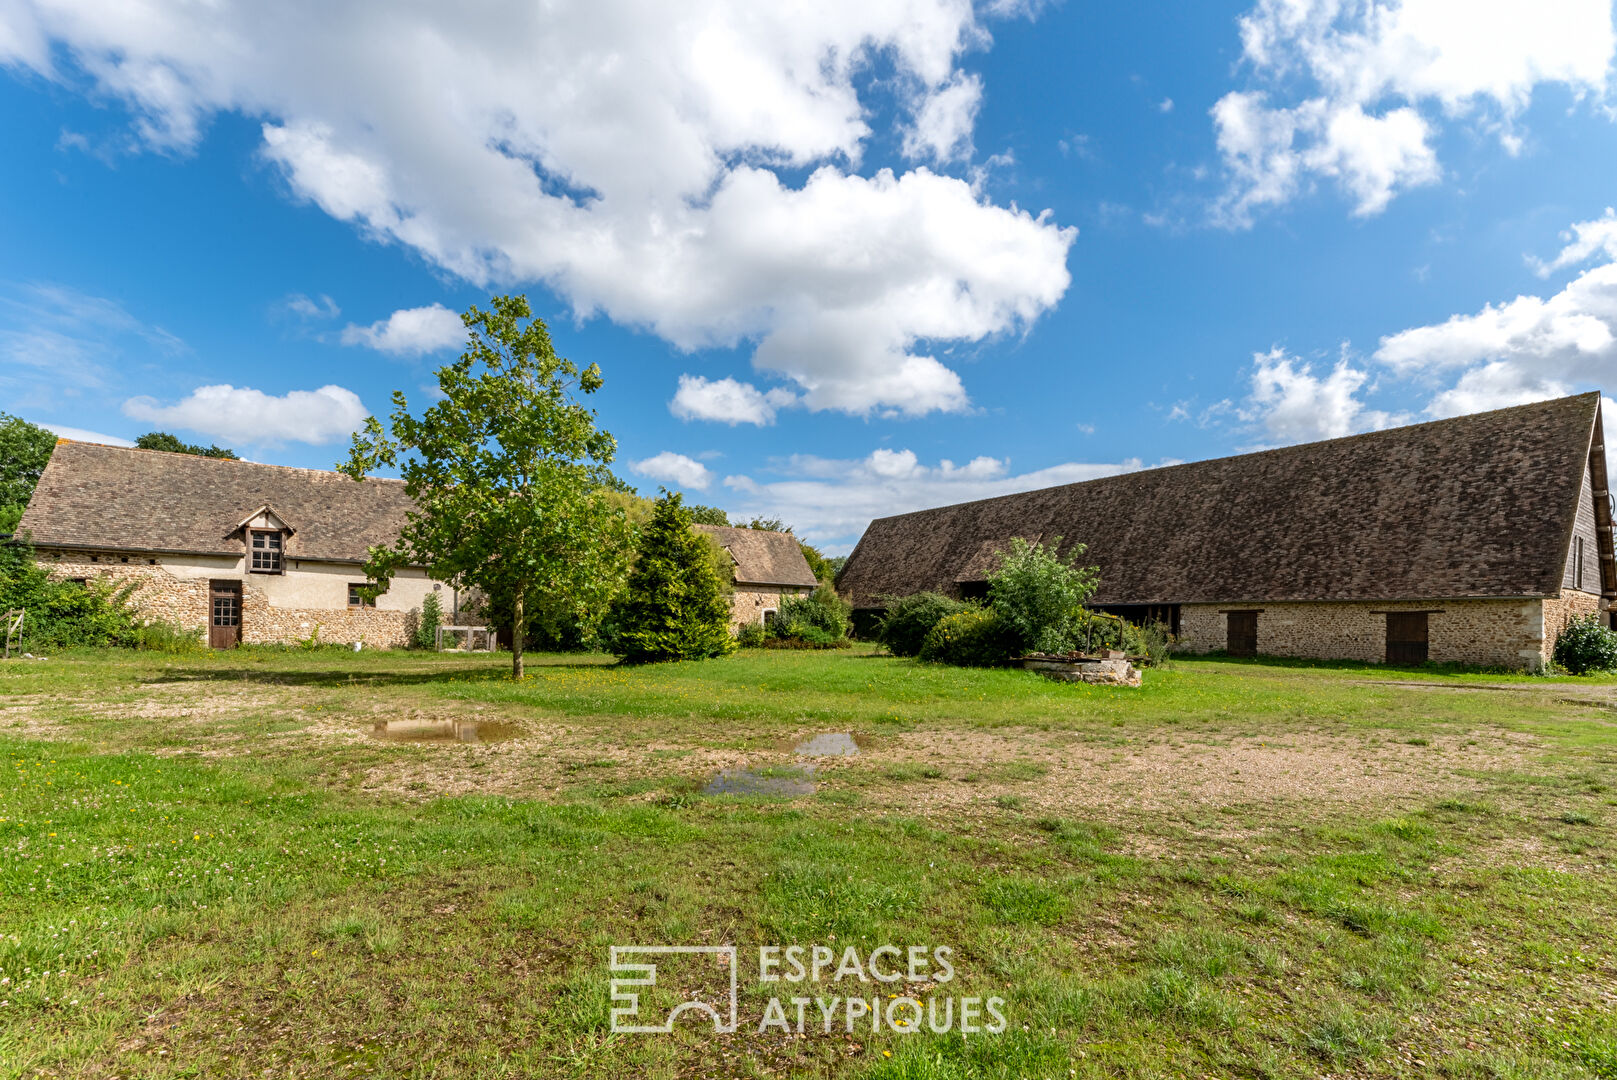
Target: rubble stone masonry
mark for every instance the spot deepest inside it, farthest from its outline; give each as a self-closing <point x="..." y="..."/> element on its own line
<point x="178" y="594"/>
<point x="751" y="601"/>
<point x="1505" y="633"/>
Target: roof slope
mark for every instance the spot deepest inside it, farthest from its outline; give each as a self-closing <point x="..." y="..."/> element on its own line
<point x="1478" y="505"/>
<point x="763" y="558"/>
<point x="98" y="496"/>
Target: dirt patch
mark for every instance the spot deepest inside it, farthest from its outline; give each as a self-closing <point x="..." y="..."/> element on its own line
<point x="1311" y="768"/>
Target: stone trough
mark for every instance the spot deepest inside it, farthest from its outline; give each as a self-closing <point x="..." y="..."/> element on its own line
<point x="1105" y="669"/>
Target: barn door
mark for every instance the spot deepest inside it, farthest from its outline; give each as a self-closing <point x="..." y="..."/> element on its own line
<point x="1406" y="637"/>
<point x="1242" y="633"/>
<point x="224" y="625"/>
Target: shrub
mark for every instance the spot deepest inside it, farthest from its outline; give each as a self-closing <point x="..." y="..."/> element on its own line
<point x="752" y="636"/>
<point x="975" y="637"/>
<point x="432" y="617"/>
<point x="1040" y="596"/>
<point x="1584" y="646"/>
<point x="1153" y="641"/>
<point x="63" y="613"/>
<point x="674" y="607"/>
<point x="903" y="629"/>
<point x="824" y="611"/>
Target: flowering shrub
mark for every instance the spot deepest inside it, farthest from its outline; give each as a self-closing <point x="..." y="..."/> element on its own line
<point x="975" y="637"/>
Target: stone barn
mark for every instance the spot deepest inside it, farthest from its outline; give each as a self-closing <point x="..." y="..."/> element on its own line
<point x="247" y="552"/>
<point x="1471" y="540"/>
<point x="768" y="566"/>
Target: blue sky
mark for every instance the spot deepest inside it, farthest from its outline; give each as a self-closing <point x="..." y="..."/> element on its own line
<point x="835" y="263"/>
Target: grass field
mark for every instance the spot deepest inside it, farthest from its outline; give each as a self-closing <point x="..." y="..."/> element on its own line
<point x="212" y="866"/>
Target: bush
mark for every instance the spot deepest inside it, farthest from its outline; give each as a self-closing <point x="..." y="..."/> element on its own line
<point x="1154" y="641"/>
<point x="675" y="607"/>
<point x="1040" y="596"/>
<point x="63" y="614"/>
<point x="824" y="611"/>
<point x="752" y="636"/>
<point x="426" y="627"/>
<point x="903" y="629"/>
<point x="807" y="637"/>
<point x="975" y="637"/>
<point x="1585" y="646"/>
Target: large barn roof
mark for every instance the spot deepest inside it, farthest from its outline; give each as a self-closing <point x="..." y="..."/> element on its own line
<point x="1475" y="506"/>
<point x="109" y="497"/>
<point x="762" y="557"/>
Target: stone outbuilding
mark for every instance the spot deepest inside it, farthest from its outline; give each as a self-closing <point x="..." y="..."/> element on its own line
<point x="768" y="566"/>
<point x="1473" y="540"/>
<point x="245" y="552"/>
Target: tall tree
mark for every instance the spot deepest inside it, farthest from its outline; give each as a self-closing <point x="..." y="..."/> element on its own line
<point x="506" y="472"/>
<point x="675" y="607"/>
<point x="162" y="440"/>
<point x="708" y="515"/>
<point x="24" y="451"/>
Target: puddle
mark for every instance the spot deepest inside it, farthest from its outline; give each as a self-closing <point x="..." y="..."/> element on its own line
<point x="443" y="731"/>
<point x="829" y="744"/>
<point x="781" y="782"/>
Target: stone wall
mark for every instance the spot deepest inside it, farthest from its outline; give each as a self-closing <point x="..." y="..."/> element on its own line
<point x="1560" y="610"/>
<point x="179" y="595"/>
<point x="751" y="601"/>
<point x="1504" y="633"/>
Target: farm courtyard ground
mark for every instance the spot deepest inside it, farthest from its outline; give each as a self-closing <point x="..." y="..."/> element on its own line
<point x="267" y="863"/>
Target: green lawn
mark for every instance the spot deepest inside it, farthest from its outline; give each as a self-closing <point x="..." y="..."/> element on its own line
<point x="211" y="867"/>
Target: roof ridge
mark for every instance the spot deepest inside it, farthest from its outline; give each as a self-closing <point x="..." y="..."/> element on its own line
<point x="224" y="461"/>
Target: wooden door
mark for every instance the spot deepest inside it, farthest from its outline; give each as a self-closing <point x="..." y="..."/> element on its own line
<point x="224" y="623"/>
<point x="1241" y="633"/>
<point x="1406" y="637"/>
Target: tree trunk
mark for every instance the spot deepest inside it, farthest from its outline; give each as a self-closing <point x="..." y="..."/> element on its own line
<point x="516" y="638"/>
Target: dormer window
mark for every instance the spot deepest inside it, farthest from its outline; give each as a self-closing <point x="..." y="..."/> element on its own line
<point x="265" y="549"/>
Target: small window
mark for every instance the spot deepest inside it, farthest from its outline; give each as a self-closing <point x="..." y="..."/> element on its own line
<point x="79" y="581"/>
<point x="1577" y="572"/>
<point x="770" y="615"/>
<point x="355" y="600"/>
<point x="266" y="552"/>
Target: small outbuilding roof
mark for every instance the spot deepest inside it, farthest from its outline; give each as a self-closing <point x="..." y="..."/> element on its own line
<point x="1475" y="506"/>
<point x="113" y="498"/>
<point x="763" y="558"/>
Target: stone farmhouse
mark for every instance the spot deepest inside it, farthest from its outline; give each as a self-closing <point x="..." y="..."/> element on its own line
<point x="253" y="553"/>
<point x="1473" y="540"/>
<point x="768" y="566"/>
<point x="265" y="554"/>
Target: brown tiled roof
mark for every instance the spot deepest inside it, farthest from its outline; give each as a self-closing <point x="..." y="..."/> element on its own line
<point x="108" y="497"/>
<point x="763" y="558"/>
<point x="1478" y="505"/>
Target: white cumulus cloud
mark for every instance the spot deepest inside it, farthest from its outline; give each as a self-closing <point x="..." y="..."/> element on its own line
<point x="410" y="332"/>
<point x="1290" y="403"/>
<point x="727" y="401"/>
<point x="244" y="415"/>
<point x="625" y="155"/>
<point x="829" y="502"/>
<point x="1353" y="91"/>
<point x="83" y="435"/>
<point x="675" y="469"/>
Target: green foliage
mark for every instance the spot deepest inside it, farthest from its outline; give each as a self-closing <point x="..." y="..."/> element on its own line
<point x="908" y="620"/>
<point x="707" y="515"/>
<point x="162" y="440"/>
<point x="675" y="607"/>
<point x="432" y="617"/>
<point x="763" y="524"/>
<point x="1585" y="646"/>
<point x="976" y="637"/>
<point x="24" y="450"/>
<point x="60" y="614"/>
<point x="752" y="636"/>
<point x="159" y="636"/>
<point x="1154" y="641"/>
<point x="823" y="610"/>
<point x="508" y="473"/>
<point x="1040" y="595"/>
